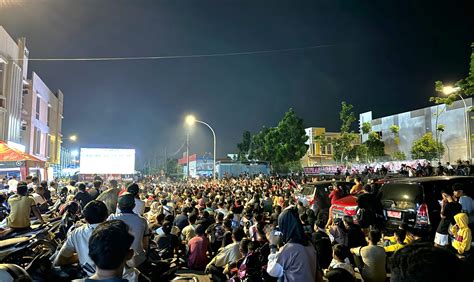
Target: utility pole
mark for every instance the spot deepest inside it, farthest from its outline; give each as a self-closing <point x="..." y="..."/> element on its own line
<point x="166" y="162"/>
<point x="187" y="155"/>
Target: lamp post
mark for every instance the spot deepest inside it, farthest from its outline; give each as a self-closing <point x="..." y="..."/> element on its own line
<point x="190" y="120"/>
<point x="448" y="90"/>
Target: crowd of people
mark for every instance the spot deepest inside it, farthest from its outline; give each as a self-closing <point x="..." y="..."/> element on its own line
<point x="237" y="229"/>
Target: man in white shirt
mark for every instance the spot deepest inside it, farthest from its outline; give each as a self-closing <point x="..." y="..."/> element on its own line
<point x="39" y="198"/>
<point x="77" y="241"/>
<point x="138" y="227"/>
<point x="12" y="184"/>
<point x="139" y="204"/>
<point x="229" y="254"/>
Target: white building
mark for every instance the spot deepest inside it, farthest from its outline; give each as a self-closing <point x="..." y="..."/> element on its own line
<point x="13" y="71"/>
<point x="414" y="124"/>
<point x="42" y="119"/>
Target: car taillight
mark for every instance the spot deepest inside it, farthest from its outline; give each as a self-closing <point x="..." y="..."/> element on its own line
<point x="422" y="216"/>
<point x="351" y="211"/>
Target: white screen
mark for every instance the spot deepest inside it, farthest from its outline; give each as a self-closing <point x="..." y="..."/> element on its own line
<point x="107" y="161"/>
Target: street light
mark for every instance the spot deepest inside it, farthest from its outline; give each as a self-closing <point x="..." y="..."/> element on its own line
<point x="73" y="138"/>
<point x="448" y="90"/>
<point x="191" y="120"/>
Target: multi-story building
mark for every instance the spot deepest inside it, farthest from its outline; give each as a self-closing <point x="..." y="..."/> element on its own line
<point x="13" y="72"/>
<point x="320" y="147"/>
<point x="42" y="118"/>
<point x="414" y="124"/>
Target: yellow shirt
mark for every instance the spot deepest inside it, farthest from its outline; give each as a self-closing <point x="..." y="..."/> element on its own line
<point x="394" y="248"/>
<point x="20" y="207"/>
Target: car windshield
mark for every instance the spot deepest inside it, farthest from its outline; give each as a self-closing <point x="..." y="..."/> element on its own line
<point x="309" y="189"/>
<point x="400" y="195"/>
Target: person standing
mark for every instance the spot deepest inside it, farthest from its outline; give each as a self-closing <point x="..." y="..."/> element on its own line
<point x="110" y="196"/>
<point x="82" y="197"/>
<point x="465" y="201"/>
<point x="198" y="246"/>
<point x="462" y="234"/>
<point x="371" y="259"/>
<point x="449" y="208"/>
<point x="357" y="188"/>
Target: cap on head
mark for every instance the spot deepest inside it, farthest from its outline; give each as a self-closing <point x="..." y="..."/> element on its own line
<point x="133" y="189"/>
<point x="126" y="201"/>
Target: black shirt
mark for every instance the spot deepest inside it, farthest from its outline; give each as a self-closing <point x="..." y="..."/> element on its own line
<point x="83" y="198"/>
<point x="181" y="221"/>
<point x="450" y="210"/>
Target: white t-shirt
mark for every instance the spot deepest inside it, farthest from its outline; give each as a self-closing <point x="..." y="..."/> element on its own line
<point x="78" y="242"/>
<point x="12" y="185"/>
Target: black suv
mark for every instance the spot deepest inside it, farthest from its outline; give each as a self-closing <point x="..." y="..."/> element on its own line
<point x="416" y="201"/>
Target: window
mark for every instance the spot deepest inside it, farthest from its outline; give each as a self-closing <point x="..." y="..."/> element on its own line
<point x="48" y="145"/>
<point x="37" y="141"/>
<point x="329" y="149"/>
<point x="38" y="107"/>
<point x="49" y="116"/>
<point x="323" y="150"/>
<point x="313" y="149"/>
<point x="2" y="74"/>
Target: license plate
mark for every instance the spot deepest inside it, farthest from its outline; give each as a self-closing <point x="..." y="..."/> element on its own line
<point x="394" y="214"/>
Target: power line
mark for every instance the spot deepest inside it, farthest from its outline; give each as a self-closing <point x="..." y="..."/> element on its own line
<point x="184" y="56"/>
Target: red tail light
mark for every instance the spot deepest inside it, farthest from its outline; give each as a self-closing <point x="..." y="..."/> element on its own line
<point x="351" y="211"/>
<point x="422" y="216"/>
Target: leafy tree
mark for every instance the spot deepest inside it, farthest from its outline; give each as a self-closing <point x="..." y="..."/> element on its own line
<point x="244" y="146"/>
<point x="366" y="127"/>
<point x="426" y="148"/>
<point x="281" y="145"/>
<point x="466" y="85"/>
<point x="395" y="129"/>
<point x="399" y="156"/>
<point x="172" y="166"/>
<point x="344" y="143"/>
<point x="375" y="146"/>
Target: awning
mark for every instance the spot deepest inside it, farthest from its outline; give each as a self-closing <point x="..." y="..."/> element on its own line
<point x="9" y="154"/>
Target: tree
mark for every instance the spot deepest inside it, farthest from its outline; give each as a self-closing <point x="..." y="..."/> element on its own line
<point x="282" y="145"/>
<point x="344" y="143"/>
<point x="395" y="129"/>
<point x="366" y="127"/>
<point x="375" y="146"/>
<point x="244" y="146"/>
<point x="172" y="166"/>
<point x="466" y="85"/>
<point x="426" y="148"/>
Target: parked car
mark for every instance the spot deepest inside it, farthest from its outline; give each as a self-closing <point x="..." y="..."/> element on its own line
<point x="319" y="191"/>
<point x="348" y="204"/>
<point x="415" y="201"/>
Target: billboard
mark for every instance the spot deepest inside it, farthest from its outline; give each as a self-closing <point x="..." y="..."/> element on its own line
<point x="107" y="161"/>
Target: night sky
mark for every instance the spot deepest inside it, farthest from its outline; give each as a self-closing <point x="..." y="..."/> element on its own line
<point x="385" y="57"/>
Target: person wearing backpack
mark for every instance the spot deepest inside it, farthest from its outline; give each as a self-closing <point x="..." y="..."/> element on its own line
<point x="216" y="233"/>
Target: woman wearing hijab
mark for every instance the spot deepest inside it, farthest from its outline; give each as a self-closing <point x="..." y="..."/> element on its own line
<point x="296" y="259"/>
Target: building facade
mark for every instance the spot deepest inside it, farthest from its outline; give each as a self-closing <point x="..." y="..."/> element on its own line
<point x="414" y="124"/>
<point x="319" y="153"/>
<point x="13" y="73"/>
<point x="42" y="119"/>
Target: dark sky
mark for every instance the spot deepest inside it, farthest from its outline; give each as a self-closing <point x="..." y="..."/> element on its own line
<point x="385" y="57"/>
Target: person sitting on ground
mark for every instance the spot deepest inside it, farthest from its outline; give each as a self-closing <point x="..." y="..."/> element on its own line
<point x="462" y="234"/>
<point x="400" y="235"/>
<point x="189" y="231"/>
<point x="77" y="242"/>
<point x="82" y="197"/>
<point x="355" y="235"/>
<point x="167" y="243"/>
<point x="138" y="228"/>
<point x="422" y="262"/>
<point x="110" y="249"/>
<point x="340" y="259"/>
<point x="197" y="248"/>
<point x="40" y="200"/>
<point x="229" y="254"/>
<point x="339" y="275"/>
<point x="21" y="205"/>
<point x="371" y="259"/>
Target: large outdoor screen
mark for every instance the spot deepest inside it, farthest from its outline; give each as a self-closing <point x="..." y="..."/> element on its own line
<point x="107" y="161"/>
